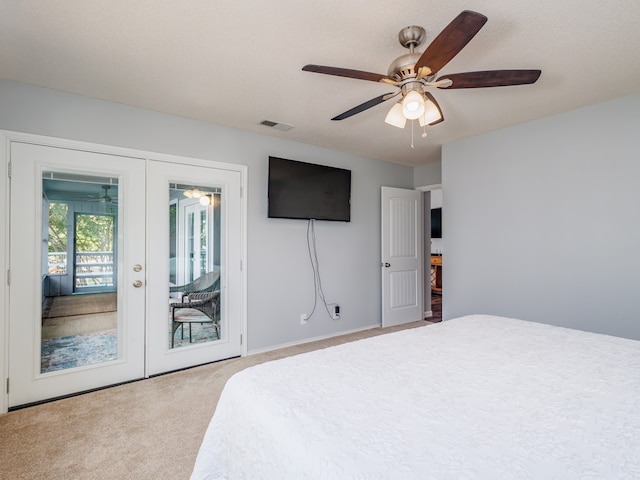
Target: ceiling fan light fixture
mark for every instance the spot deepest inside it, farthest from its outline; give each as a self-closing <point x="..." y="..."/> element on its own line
<point x="431" y="114"/>
<point x="195" y="193"/>
<point x="205" y="200"/>
<point x="413" y="105"/>
<point x="414" y="73"/>
<point x="395" y="116"/>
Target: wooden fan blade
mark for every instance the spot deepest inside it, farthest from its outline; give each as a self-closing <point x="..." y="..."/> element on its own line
<point x="492" y="78"/>
<point x="365" y="106"/>
<point x="451" y="40"/>
<point x="346" y="72"/>
<point x="432" y="98"/>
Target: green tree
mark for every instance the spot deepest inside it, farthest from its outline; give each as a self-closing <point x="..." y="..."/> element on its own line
<point x="58" y="227"/>
<point x="94" y="233"/>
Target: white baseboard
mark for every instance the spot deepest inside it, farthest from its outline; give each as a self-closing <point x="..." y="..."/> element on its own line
<point x="428" y="314"/>
<point x="314" y="339"/>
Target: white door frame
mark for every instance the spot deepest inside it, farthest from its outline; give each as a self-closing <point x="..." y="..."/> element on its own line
<point x="4" y="262"/>
<point x="184" y="208"/>
<point x="6" y="137"/>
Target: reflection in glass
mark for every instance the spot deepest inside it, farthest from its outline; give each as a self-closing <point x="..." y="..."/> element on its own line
<point x="79" y="270"/>
<point x="194" y="264"/>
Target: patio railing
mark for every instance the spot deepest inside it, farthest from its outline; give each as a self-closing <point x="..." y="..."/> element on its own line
<point x="93" y="269"/>
<point x="57" y="263"/>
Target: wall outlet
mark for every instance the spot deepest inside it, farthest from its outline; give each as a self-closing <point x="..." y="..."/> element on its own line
<point x="336" y="312"/>
<point x="303" y="319"/>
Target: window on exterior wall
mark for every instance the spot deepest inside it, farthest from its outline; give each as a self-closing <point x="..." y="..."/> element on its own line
<point x="57" y="239"/>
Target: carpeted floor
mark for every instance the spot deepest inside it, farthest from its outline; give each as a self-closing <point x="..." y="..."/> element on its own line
<point x="149" y="429"/>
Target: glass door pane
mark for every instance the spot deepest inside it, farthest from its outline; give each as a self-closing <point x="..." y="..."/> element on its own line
<point x="80" y="314"/>
<point x="195" y="303"/>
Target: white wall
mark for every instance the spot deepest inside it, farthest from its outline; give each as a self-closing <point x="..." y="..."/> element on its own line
<point x="280" y="282"/>
<point x="543" y="220"/>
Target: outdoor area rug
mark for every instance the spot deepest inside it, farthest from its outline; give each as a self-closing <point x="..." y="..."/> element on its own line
<point x="70" y="305"/>
<point x="200" y="333"/>
<point x="78" y="350"/>
<point x="72" y="351"/>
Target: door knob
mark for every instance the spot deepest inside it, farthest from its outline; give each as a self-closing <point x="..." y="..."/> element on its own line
<point x="387" y="264"/>
<point x="137" y="284"/>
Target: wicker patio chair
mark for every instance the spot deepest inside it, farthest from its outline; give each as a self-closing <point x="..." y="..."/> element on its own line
<point x="204" y="283"/>
<point x="205" y="302"/>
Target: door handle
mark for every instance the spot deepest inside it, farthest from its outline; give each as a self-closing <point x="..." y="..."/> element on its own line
<point x="385" y="265"/>
<point x="137" y="283"/>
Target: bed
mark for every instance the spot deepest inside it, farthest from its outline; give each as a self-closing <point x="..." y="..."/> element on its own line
<point x="477" y="397"/>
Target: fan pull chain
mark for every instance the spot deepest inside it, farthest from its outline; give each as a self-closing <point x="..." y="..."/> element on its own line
<point x="412" y="124"/>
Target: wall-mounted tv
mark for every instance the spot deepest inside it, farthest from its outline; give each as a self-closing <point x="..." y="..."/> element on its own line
<point x="308" y="191"/>
<point x="436" y="223"/>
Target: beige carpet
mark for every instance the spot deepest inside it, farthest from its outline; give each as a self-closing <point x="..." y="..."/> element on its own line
<point x="149" y="429"/>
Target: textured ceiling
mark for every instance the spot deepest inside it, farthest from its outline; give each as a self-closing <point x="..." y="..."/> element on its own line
<point x="237" y="63"/>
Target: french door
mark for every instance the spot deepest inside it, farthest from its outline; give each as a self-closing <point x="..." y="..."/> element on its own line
<point x="98" y="254"/>
<point x="204" y="258"/>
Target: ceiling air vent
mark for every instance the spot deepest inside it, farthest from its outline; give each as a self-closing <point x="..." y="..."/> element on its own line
<point x="278" y="126"/>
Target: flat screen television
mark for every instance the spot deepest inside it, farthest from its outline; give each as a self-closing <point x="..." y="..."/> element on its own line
<point x="308" y="191"/>
<point x="436" y="223"/>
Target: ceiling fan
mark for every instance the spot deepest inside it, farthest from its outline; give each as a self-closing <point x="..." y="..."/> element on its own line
<point x="105" y="197"/>
<point x="414" y="73"/>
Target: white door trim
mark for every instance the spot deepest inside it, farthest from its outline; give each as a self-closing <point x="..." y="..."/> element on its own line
<point x="4" y="262"/>
<point x="428" y="188"/>
<point x="7" y="136"/>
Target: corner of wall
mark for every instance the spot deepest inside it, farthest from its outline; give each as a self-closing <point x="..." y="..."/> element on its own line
<point x="429" y="174"/>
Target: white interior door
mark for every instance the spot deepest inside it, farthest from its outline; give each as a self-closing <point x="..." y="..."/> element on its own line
<point x="71" y="345"/>
<point x="401" y="264"/>
<point x="195" y="239"/>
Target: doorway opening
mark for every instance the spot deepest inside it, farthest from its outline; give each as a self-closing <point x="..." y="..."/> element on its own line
<point x="433" y="252"/>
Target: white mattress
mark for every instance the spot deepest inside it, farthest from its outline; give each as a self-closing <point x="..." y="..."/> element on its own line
<point x="477" y="397"/>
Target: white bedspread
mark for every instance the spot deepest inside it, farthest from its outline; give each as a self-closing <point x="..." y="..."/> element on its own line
<point x="477" y="397"/>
